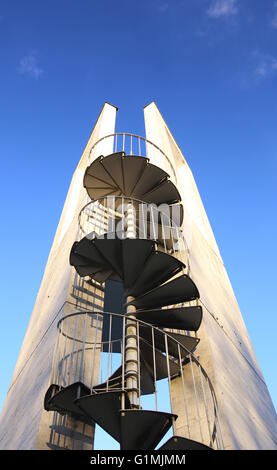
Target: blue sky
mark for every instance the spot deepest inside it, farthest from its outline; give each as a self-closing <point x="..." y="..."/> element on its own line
<point x="211" y="66"/>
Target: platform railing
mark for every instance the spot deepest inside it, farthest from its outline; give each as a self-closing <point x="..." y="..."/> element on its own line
<point x="108" y="216"/>
<point x="132" y="144"/>
<point x="90" y="348"/>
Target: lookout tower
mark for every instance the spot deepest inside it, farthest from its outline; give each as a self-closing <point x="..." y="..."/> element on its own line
<point x="136" y="328"/>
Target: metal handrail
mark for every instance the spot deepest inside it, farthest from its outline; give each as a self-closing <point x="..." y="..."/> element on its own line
<point x="216" y="431"/>
<point x="135" y="137"/>
<point x="176" y="236"/>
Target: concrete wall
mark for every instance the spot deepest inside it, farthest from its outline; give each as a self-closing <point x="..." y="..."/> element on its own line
<point x="23" y="423"/>
<point x="247" y="414"/>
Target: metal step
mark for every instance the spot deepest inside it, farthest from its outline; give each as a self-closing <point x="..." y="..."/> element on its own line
<point x="181" y="443"/>
<point x="146" y="370"/>
<point x="110" y="250"/>
<point x="63" y="430"/>
<point x="165" y="192"/>
<point x="51" y="391"/>
<point x="179" y="318"/>
<point x="180" y="289"/>
<point x="189" y="343"/>
<point x="85" y="247"/>
<point x="102" y="276"/>
<point x="143" y="429"/>
<point x="63" y="400"/>
<point x="133" y="168"/>
<point x="84" y="271"/>
<point x="97" y="193"/>
<point x="151" y="177"/>
<point x="113" y="165"/>
<point x="115" y="382"/>
<point x="161" y="365"/>
<point x="135" y="254"/>
<point x="91" y="182"/>
<point x="158" y="269"/>
<point x="133" y="176"/>
<point x="83" y="265"/>
<point x="77" y="260"/>
<point x="97" y="170"/>
<point x="103" y="409"/>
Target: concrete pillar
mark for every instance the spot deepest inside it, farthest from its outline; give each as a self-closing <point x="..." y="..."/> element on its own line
<point x="23" y="423"/>
<point x="247" y="414"/>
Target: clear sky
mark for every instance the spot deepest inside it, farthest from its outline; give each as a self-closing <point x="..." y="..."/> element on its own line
<point x="211" y="66"/>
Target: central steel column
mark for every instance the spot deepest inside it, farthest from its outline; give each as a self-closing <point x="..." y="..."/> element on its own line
<point x="131" y="347"/>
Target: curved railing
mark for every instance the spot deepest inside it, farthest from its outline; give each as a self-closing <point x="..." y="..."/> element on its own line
<point x="132" y="144"/>
<point x="108" y="214"/>
<point x="90" y="349"/>
<point x="142" y="366"/>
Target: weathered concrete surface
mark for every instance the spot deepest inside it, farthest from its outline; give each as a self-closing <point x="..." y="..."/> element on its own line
<point x="247" y="414"/>
<point x="23" y="423"/>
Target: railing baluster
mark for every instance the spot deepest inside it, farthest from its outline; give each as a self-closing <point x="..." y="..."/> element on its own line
<point x="154" y="367"/>
<point x="109" y="351"/>
<point x="94" y="351"/>
<point x="82" y="364"/>
<point x="56" y="356"/>
<point x="196" y="398"/>
<point x="63" y="366"/>
<point x="73" y="346"/>
<point x="138" y="359"/>
<point x="205" y="403"/>
<point x="163" y="234"/>
<point x="123" y="364"/>
<point x="169" y="383"/>
<point x="183" y="384"/>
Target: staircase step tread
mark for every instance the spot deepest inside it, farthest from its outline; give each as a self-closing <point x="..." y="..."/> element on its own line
<point x="103" y="408"/>
<point x="158" y="269"/>
<point x="189" y="343"/>
<point x="147" y="359"/>
<point x="133" y="168"/>
<point x="92" y="182"/>
<point x="63" y="399"/>
<point x="110" y="250"/>
<point x="97" y="170"/>
<point x="179" y="318"/>
<point x="86" y="248"/>
<point x="166" y="192"/>
<point x="98" y="193"/>
<point x="143" y="429"/>
<point x="150" y="178"/>
<point x="135" y="253"/>
<point x="182" y="443"/>
<point x="113" y="165"/>
<point x="180" y="289"/>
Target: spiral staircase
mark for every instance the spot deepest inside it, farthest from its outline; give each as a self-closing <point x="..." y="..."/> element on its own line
<point x="155" y="336"/>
